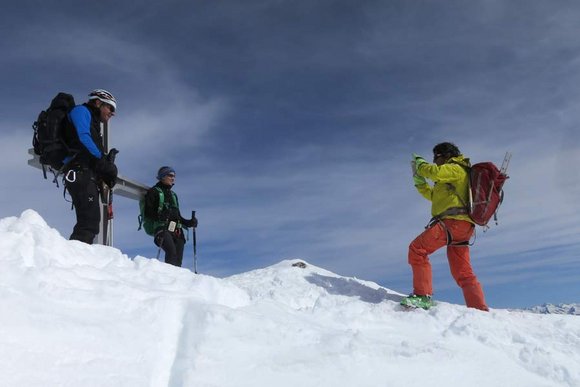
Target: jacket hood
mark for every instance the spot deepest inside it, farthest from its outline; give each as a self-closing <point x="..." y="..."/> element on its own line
<point x="461" y="160"/>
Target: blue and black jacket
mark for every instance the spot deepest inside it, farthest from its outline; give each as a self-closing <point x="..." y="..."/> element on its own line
<point x="83" y="135"/>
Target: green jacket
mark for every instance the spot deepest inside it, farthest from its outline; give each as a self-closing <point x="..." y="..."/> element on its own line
<point x="450" y="188"/>
<point x="159" y="214"/>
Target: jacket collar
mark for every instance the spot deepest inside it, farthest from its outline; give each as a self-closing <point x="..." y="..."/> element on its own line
<point x="461" y="160"/>
<point x="163" y="186"/>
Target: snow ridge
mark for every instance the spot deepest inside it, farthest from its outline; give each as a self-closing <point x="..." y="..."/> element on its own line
<point x="79" y="315"/>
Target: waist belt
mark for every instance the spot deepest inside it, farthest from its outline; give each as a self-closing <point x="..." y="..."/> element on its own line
<point x="449" y="212"/>
<point x="77" y="167"/>
<point x="453" y="211"/>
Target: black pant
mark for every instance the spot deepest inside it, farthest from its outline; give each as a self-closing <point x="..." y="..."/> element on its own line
<point x="85" y="197"/>
<point x="172" y="245"/>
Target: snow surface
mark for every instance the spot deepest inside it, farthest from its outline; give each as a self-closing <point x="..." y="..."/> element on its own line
<point x="78" y="315"/>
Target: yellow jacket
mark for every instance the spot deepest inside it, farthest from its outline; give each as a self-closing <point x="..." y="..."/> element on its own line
<point x="451" y="185"/>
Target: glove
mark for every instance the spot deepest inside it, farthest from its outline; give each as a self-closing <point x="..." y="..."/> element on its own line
<point x="419" y="160"/>
<point x="190" y="223"/>
<point x="419" y="180"/>
<point x="110" y="182"/>
<point x="107" y="171"/>
<point x="111" y="155"/>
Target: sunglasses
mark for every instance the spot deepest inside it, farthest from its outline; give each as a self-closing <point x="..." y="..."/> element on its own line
<point x="171" y="175"/>
<point x="110" y="107"/>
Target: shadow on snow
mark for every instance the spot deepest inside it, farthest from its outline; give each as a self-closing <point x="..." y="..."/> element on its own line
<point x="352" y="288"/>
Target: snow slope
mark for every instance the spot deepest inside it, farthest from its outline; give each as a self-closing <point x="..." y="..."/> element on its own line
<point x="78" y="315"/>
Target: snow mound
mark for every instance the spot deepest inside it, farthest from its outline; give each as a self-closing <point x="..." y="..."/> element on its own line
<point x="78" y="315"/>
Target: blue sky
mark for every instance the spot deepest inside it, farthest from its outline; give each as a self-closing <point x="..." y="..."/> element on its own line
<point x="291" y="125"/>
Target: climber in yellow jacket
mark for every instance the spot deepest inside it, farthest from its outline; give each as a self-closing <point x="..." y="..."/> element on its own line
<point x="450" y="226"/>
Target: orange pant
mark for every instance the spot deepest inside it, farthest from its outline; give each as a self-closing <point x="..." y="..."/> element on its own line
<point x="433" y="239"/>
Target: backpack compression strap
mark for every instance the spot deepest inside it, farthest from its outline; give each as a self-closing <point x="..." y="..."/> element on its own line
<point x="162" y="203"/>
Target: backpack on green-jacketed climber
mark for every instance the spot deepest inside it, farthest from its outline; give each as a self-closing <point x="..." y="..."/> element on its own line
<point x="486" y="182"/>
<point x="48" y="138"/>
<point x="485" y="191"/>
<point x="151" y="225"/>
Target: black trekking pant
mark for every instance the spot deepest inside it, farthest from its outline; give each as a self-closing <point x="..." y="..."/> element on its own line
<point x="82" y="186"/>
<point x="173" y="244"/>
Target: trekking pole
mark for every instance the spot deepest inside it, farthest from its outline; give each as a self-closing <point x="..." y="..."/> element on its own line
<point x="160" y="245"/>
<point x="109" y="242"/>
<point x="112" y="155"/>
<point x="194" y="246"/>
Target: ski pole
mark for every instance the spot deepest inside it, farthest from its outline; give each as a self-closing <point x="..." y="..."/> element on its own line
<point x="194" y="246"/>
<point x="108" y="191"/>
<point x="112" y="155"/>
<point x="160" y="244"/>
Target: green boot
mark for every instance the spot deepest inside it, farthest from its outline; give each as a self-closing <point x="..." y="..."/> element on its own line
<point x="415" y="301"/>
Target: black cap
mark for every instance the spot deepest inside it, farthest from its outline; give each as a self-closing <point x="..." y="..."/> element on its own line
<point x="447" y="149"/>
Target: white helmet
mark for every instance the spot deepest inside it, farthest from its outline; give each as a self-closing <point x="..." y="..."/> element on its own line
<point x="105" y="96"/>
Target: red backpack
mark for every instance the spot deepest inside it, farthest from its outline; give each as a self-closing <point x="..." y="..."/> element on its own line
<point x="486" y="190"/>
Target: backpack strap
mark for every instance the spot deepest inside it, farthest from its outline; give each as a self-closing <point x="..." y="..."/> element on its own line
<point x="466" y="206"/>
<point x="174" y="202"/>
<point x="141" y="217"/>
<point x="161" y="199"/>
<point x="469" y="204"/>
<point x="176" y="205"/>
<point x="174" y="199"/>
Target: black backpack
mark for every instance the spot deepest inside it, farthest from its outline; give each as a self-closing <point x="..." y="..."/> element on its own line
<point x="48" y="138"/>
